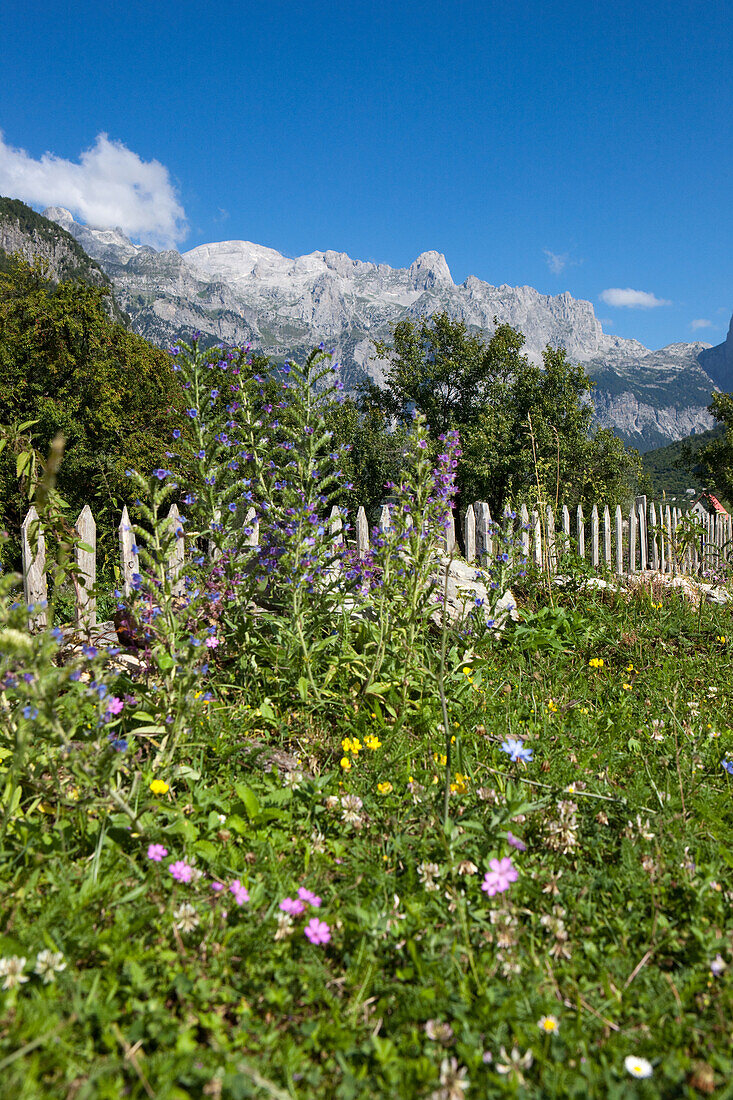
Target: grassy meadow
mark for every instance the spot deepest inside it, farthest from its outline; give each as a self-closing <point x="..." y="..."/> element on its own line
<point x="308" y="844"/>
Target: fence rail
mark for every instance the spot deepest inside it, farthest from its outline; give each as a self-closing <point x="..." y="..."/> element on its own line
<point x="656" y="538"/>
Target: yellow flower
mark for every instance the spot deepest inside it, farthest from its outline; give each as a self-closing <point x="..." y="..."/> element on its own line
<point x="440" y="758"/>
<point x="384" y="788"/>
<point x="345" y="763"/>
<point x="630" y="668"/>
<point x="351" y="745"/>
<point x="720" y="638"/>
<point x="583" y="710"/>
<point x="159" y="786"/>
<point x="372" y="742"/>
<point x="552" y="706"/>
<point x="596" y="662"/>
<point x="461" y="784"/>
<point x="467" y="671"/>
<point x="627" y="687"/>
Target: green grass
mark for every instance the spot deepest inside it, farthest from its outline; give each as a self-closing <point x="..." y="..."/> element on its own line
<point x="622" y="902"/>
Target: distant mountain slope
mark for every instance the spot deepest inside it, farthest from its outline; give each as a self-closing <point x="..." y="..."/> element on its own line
<point x="240" y="292"/>
<point x="35" y="237"/>
<point x="666" y="471"/>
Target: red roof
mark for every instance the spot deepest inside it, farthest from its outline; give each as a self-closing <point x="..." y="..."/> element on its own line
<point x="716" y="505"/>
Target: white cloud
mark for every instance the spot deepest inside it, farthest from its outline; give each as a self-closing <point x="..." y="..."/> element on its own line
<point x="109" y="187"/>
<point x="701" y="322"/>
<point x="556" y="261"/>
<point x="631" y="299"/>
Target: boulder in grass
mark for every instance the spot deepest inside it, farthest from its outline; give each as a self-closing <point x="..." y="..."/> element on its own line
<point x="466" y="592"/>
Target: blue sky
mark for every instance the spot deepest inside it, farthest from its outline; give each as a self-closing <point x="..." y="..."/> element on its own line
<point x="566" y="146"/>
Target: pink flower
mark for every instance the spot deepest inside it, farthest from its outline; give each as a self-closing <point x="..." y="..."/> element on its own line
<point x="212" y="642"/>
<point x="157" y="852"/>
<point x="292" y="906"/>
<point x="500" y="877"/>
<point x="217" y="887"/>
<point x="181" y="871"/>
<point x="309" y="896"/>
<point x="114" y="705"/>
<point x="317" y="931"/>
<point x="516" y="842"/>
<point x="240" y="892"/>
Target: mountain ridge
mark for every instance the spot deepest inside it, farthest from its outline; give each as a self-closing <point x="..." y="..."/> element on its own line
<point x="242" y="292"/>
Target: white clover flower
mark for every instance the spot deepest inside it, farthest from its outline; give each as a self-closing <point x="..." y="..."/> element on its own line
<point x="428" y="872"/>
<point x="284" y="926"/>
<point x="11" y="970"/>
<point x="185" y="917"/>
<point x="718" y="965"/>
<point x="453" y="1081"/>
<point x="637" y="1067"/>
<point x="49" y="964"/>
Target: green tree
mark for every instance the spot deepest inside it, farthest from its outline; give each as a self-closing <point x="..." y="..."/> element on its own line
<point x="374" y="456"/>
<point x="66" y="366"/>
<point x="714" y="461"/>
<point x="527" y="430"/>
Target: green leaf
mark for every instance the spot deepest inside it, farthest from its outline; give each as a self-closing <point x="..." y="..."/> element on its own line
<point x="249" y="798"/>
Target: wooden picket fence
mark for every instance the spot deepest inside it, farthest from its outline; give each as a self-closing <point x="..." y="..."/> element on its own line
<point x="650" y="538"/>
<point x="657" y="538"/>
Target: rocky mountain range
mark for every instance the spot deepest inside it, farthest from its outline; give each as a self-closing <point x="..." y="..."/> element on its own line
<point x="239" y="292"/>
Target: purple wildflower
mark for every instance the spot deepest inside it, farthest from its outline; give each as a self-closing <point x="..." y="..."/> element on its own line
<point x="292" y="906"/>
<point x="309" y="897"/>
<point x="181" y="871"/>
<point x="500" y="877"/>
<point x="317" y="931"/>
<point x="157" y="852"/>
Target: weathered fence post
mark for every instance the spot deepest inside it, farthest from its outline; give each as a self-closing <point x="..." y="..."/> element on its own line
<point x="177" y="553"/>
<point x="362" y="533"/>
<point x="655" y="540"/>
<point x="619" y="524"/>
<point x="524" y="533"/>
<point x="551" y="550"/>
<point x="484" y="542"/>
<point x="128" y="552"/>
<point x="565" y="530"/>
<point x="580" y="530"/>
<point x="594" y="539"/>
<point x="35" y="587"/>
<point x="607" y="538"/>
<point x="633" y="530"/>
<point x="537" y="539"/>
<point x="643" y="531"/>
<point x="384" y="523"/>
<point x="336" y="526"/>
<point x="86" y="563"/>
<point x="469" y="534"/>
<point x="251" y="527"/>
<point x="669" y="536"/>
<point x="450" y="533"/>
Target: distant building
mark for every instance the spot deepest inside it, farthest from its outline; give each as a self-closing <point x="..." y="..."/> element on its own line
<point x="707" y="505"/>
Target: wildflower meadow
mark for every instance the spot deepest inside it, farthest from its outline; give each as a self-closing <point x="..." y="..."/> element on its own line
<point x="293" y="834"/>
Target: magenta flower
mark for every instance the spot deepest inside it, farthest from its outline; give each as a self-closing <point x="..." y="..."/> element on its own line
<point x="212" y="642"/>
<point x="292" y="906"/>
<point x="317" y="931"/>
<point x="240" y="892"/>
<point x="309" y="896"/>
<point x="500" y="877"/>
<point x="114" y="705"/>
<point x="516" y="842"/>
<point x="157" y="852"/>
<point x="181" y="871"/>
<point x="217" y="887"/>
